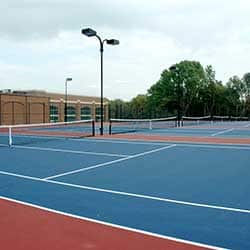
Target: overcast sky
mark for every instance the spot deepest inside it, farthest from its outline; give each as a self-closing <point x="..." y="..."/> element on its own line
<point x="41" y="42"/>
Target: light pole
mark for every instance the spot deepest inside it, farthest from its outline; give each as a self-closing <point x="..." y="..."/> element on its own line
<point x="179" y="113"/>
<point x="90" y="32"/>
<point x="65" y="100"/>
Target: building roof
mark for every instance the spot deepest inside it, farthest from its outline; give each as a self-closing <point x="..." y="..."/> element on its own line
<point x="53" y="96"/>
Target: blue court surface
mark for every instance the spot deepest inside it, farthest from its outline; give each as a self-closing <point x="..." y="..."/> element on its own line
<point x="240" y="129"/>
<point x="198" y="132"/>
<point x="194" y="192"/>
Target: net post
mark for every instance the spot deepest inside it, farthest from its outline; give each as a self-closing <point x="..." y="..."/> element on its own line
<point x="93" y="128"/>
<point x="110" y="127"/>
<point x="10" y="136"/>
<point x="150" y="124"/>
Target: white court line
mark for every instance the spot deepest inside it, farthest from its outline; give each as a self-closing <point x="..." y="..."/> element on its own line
<point x="108" y="163"/>
<point x="223" y="132"/>
<point x="219" y="146"/>
<point x="179" y="202"/>
<point x="227" y="146"/>
<point x="113" y="225"/>
<point x="214" y="146"/>
<point x="69" y="151"/>
<point x="122" y="141"/>
<point x="106" y="140"/>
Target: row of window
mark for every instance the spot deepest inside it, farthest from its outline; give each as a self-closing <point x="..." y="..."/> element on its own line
<point x="71" y="113"/>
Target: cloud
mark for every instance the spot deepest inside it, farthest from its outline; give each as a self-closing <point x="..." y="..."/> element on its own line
<point x="42" y="44"/>
<point x="183" y="18"/>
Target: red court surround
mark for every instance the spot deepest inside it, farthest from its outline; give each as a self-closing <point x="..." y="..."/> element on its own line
<point x="162" y="138"/>
<point x="26" y="228"/>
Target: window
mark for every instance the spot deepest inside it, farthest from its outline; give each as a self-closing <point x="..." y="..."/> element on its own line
<point x="85" y="113"/>
<point x="98" y="114"/>
<point x="71" y="113"/>
<point x="53" y="113"/>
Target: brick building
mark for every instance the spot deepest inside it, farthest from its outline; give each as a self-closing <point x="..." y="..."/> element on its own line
<point x="23" y="107"/>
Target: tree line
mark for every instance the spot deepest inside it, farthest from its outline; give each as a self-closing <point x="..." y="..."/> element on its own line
<point x="188" y="89"/>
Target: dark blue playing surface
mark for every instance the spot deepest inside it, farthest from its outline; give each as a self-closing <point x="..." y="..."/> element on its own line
<point x="195" y="192"/>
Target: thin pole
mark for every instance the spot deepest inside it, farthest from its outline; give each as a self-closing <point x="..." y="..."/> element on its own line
<point x="65" y="103"/>
<point x="179" y="104"/>
<point x="101" y="50"/>
<point x="10" y="136"/>
<point x="90" y="33"/>
<point x="0" y="109"/>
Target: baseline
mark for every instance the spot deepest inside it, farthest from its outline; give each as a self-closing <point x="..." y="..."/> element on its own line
<point x="136" y="236"/>
<point x="180" y="202"/>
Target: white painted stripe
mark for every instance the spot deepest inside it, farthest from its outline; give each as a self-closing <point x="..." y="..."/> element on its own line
<point x="197" y="145"/>
<point x="112" y="224"/>
<point x="168" y="141"/>
<point x="121" y="141"/>
<point x="214" y="146"/>
<point x="22" y="176"/>
<point x="135" y="141"/>
<point x="109" y="163"/>
<point x="106" y="140"/>
<point x="130" y="194"/>
<point x="69" y="151"/>
<point x="194" y="144"/>
<point x="226" y="146"/>
<point x="223" y="132"/>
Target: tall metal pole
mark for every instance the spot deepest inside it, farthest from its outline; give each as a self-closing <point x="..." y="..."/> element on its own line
<point x="178" y="90"/>
<point x="1" y="109"/>
<point x="179" y="115"/>
<point x="65" y="101"/>
<point x="101" y="50"/>
<point x="90" y="33"/>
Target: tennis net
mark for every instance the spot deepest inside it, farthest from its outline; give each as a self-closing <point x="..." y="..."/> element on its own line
<point x="240" y="118"/>
<point x="195" y="121"/>
<point x="219" y="118"/>
<point x="37" y="133"/>
<point x="210" y="120"/>
<point x="118" y="126"/>
<point x="230" y="118"/>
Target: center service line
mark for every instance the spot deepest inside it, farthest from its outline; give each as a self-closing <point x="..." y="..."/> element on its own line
<point x="223" y="132"/>
<point x="109" y="162"/>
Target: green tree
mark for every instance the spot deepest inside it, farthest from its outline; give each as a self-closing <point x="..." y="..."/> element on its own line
<point x="138" y="107"/>
<point x="192" y="78"/>
<point x="234" y="94"/>
<point x="220" y="100"/>
<point x="119" y="109"/>
<point x="178" y="88"/>
<point x="246" y="80"/>
<point x="162" y="96"/>
<point x="209" y="91"/>
<point x="190" y="89"/>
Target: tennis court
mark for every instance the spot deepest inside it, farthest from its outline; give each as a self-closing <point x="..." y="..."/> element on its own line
<point x="191" y="130"/>
<point x="112" y="193"/>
